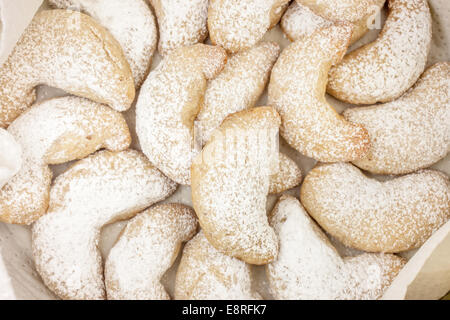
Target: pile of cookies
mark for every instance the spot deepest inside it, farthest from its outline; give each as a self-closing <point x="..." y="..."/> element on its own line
<point x="198" y="125"/>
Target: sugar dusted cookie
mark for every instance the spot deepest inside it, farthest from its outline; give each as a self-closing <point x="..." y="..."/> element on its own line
<point x="309" y="267"/>
<point x="360" y="13"/>
<point x="206" y="274"/>
<point x="366" y="214"/>
<point x="288" y="176"/>
<point x="412" y="132"/>
<point x="297" y="92"/>
<point x="146" y="248"/>
<point x="10" y="157"/>
<point x="96" y="191"/>
<point x="300" y="21"/>
<point x="168" y="104"/>
<point x="54" y="132"/>
<point x="383" y="70"/>
<point x="131" y="22"/>
<point x="181" y="23"/>
<point x="240" y="24"/>
<point x="230" y="184"/>
<point x="237" y="87"/>
<point x="70" y="51"/>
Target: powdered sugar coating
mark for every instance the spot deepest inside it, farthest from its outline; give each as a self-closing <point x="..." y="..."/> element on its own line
<point x="366" y="214"/>
<point x="412" y="132"/>
<point x="230" y="184"/>
<point x="309" y="267"/>
<point x="66" y="50"/>
<point x="54" y="132"/>
<point x="299" y="21"/>
<point x="181" y="23"/>
<point x="386" y="68"/>
<point x="206" y="274"/>
<point x="10" y="157"/>
<point x="96" y="191"/>
<point x="342" y="10"/>
<point x="147" y="247"/>
<point x="131" y="22"/>
<point x="240" y="24"/>
<point x="168" y="104"/>
<point x="297" y="91"/>
<point x="237" y="87"/>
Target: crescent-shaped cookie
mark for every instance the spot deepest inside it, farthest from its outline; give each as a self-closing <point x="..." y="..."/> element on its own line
<point x="145" y="250"/>
<point x="54" y="132"/>
<point x="412" y="132"/>
<point x="240" y="24"/>
<point x="206" y="274"/>
<point x="181" y="23"/>
<point x="300" y="21"/>
<point x="383" y="70"/>
<point x="70" y="51"/>
<point x="297" y="91"/>
<point x="96" y="191"/>
<point x="10" y="157"/>
<point x="370" y="215"/>
<point x="309" y="267"/>
<point x="237" y="87"/>
<point x="230" y="184"/>
<point x="168" y="104"/>
<point x="132" y="24"/>
<point x="360" y="13"/>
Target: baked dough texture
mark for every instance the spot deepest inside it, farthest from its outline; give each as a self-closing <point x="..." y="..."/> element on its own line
<point x="300" y="21"/>
<point x="297" y="92"/>
<point x="237" y="87"/>
<point x="54" y="132"/>
<point x="230" y="184"/>
<point x="181" y="23"/>
<point x="146" y="248"/>
<point x="410" y="133"/>
<point x="374" y="216"/>
<point x="132" y="24"/>
<point x="101" y="189"/>
<point x="206" y="274"/>
<point x="10" y="157"/>
<point x="70" y="51"/>
<point x="168" y="104"/>
<point x="383" y="70"/>
<point x="309" y="267"/>
<point x="240" y="24"/>
<point x="360" y="13"/>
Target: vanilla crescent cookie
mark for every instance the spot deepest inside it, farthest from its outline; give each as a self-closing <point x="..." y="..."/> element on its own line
<point x="299" y="21"/>
<point x="131" y="22"/>
<point x="96" y="191"/>
<point x="206" y="274"/>
<point x="383" y="70"/>
<point x="70" y="51"/>
<point x="10" y="157"/>
<point x="297" y="92"/>
<point x="146" y="248"/>
<point x="240" y="24"/>
<point x="412" y="132"/>
<point x="288" y="175"/>
<point x="360" y="13"/>
<point x="370" y="215"/>
<point x="168" y="104"/>
<point x="54" y="132"/>
<point x="237" y="87"/>
<point x="310" y="268"/>
<point x="181" y="23"/>
<point x="230" y="184"/>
